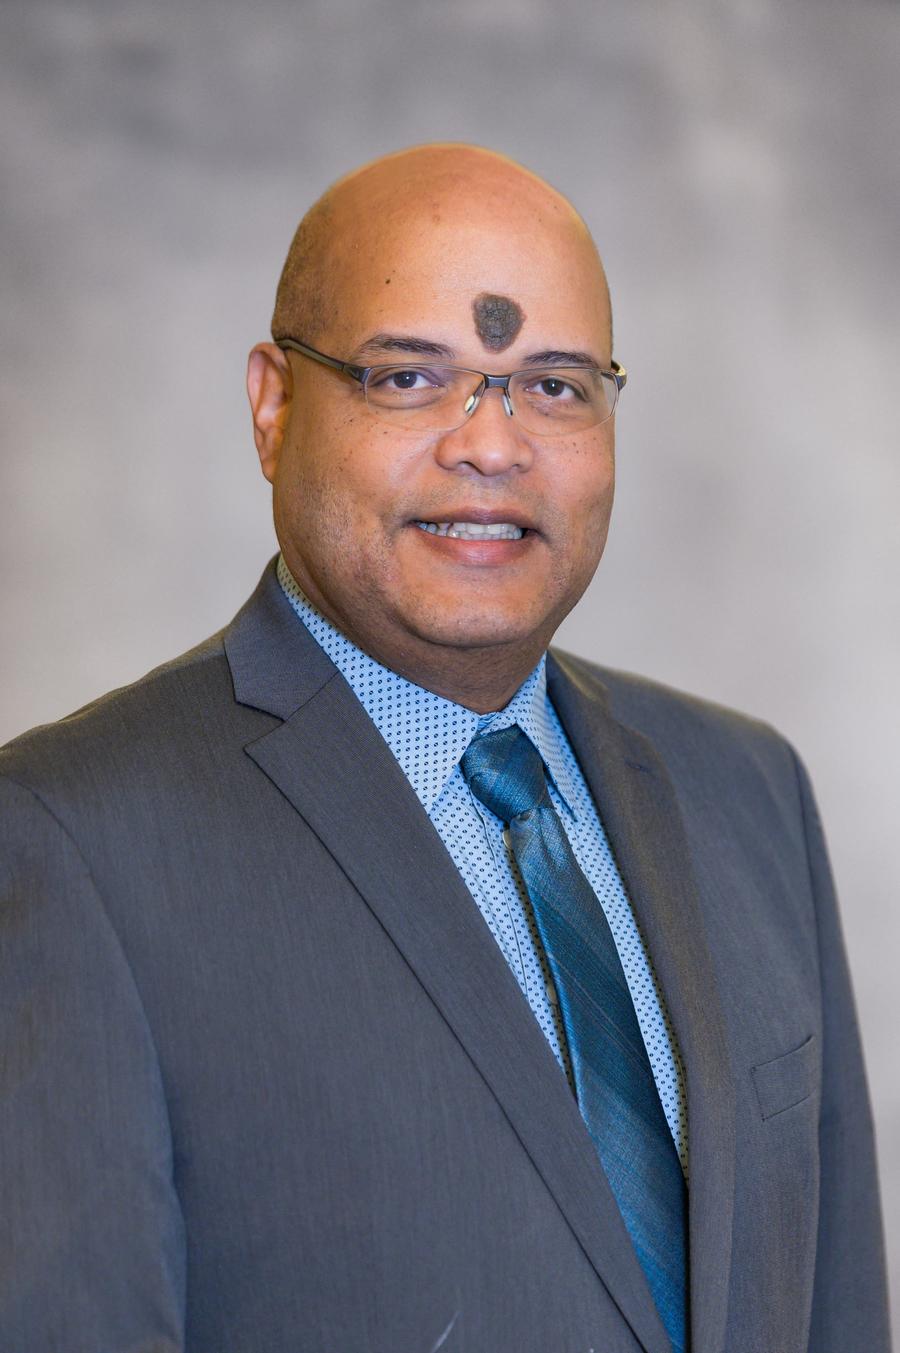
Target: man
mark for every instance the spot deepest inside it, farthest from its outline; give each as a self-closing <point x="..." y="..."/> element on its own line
<point x="373" y="980"/>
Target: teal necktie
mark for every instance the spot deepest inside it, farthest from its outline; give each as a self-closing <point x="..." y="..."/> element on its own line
<point x="617" y="1093"/>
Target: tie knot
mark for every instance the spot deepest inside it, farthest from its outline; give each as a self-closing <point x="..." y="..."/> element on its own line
<point x="505" y="772"/>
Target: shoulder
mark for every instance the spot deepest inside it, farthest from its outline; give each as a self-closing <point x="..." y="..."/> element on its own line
<point x="166" y="690"/>
<point x="161" y="729"/>
<point x="640" y="701"/>
<point x="693" y="735"/>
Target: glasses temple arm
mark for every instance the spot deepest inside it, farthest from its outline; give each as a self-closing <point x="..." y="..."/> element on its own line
<point x="358" y="373"/>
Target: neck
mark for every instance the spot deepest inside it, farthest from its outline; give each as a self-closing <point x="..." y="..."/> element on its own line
<point x="483" y="680"/>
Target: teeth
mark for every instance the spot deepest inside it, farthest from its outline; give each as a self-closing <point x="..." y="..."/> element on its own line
<point x="473" y="530"/>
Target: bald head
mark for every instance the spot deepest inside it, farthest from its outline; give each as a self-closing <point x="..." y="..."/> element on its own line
<point x="441" y="256"/>
<point x="374" y="217"/>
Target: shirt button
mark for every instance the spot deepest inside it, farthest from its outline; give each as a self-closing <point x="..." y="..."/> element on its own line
<point x="506" y="840"/>
<point x="551" y="994"/>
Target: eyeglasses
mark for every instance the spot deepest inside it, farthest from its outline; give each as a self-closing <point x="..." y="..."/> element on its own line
<point x="549" y="401"/>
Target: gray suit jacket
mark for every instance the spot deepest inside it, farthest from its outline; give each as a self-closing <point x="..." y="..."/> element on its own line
<point x="269" y="1086"/>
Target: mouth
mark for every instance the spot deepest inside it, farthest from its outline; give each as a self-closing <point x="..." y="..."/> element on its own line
<point x="474" y="530"/>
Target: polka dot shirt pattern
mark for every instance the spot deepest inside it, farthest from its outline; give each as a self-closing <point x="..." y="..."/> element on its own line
<point x="428" y="735"/>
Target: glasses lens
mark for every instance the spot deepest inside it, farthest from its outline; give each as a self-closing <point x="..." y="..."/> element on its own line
<point x="429" y="397"/>
<point x="562" y="399"/>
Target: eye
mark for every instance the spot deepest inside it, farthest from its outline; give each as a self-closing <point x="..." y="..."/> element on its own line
<point x="555" y="388"/>
<point x="408" y="388"/>
<point x="404" y="378"/>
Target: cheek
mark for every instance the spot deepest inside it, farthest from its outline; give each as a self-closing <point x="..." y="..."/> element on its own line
<point x="307" y="497"/>
<point x="589" y="487"/>
<point x="603" y="497"/>
<point x="346" y="485"/>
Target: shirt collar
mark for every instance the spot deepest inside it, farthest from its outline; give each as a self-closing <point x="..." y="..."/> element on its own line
<point x="531" y="709"/>
<point x="442" y="729"/>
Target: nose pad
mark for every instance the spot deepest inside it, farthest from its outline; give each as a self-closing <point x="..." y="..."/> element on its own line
<point x="472" y="402"/>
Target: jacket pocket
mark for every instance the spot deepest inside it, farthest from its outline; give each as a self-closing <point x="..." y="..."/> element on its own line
<point x="786" y="1080"/>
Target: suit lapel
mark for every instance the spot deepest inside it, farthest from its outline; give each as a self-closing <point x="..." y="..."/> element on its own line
<point x="639" y="810"/>
<point x="327" y="758"/>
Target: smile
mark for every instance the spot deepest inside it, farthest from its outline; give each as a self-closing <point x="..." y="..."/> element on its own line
<point x="472" y="530"/>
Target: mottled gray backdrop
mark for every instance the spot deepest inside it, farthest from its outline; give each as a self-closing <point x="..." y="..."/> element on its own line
<point x="738" y="164"/>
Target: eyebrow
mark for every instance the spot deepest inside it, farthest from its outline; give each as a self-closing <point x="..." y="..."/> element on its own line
<point x="559" y="357"/>
<point x="423" y="347"/>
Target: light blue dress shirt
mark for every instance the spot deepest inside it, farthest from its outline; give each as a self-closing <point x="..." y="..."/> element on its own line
<point x="428" y="735"/>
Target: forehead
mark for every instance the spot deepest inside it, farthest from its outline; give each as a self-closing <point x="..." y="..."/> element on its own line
<point x="431" y="267"/>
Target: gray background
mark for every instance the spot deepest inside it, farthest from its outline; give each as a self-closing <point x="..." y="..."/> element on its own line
<point x="738" y="164"/>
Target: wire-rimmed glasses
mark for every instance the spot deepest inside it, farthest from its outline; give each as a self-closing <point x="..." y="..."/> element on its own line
<point x="549" y="401"/>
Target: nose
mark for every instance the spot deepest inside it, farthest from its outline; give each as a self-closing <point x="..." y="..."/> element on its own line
<point x="490" y="442"/>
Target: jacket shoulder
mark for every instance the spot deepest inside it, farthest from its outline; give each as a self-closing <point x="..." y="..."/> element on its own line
<point x="680" y="724"/>
<point x="153" y="727"/>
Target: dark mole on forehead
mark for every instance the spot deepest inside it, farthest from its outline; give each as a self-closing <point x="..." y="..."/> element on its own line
<point x="497" y="320"/>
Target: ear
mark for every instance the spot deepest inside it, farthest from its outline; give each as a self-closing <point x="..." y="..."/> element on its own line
<point x="270" y="387"/>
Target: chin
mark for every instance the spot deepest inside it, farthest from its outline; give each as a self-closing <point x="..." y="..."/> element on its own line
<point x="479" y="629"/>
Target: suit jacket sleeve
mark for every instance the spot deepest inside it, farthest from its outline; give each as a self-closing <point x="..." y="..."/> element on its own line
<point x="91" y="1236"/>
<point x="850" y="1290"/>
